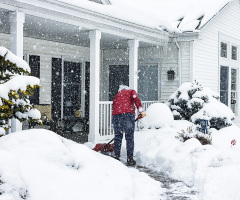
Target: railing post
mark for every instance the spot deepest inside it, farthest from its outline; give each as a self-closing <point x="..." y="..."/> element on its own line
<point x="95" y="37"/>
<point x="16" y="20"/>
<point x="133" y="64"/>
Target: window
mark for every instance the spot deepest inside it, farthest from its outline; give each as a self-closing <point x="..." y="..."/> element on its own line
<point x="234" y="53"/>
<point x="223" y="50"/>
<point x="34" y="63"/>
<point x="224" y="77"/>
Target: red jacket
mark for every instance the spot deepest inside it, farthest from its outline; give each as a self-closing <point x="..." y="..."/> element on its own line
<point x="125" y="101"/>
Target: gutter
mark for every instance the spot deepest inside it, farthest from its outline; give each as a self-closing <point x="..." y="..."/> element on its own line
<point x="179" y="62"/>
<point x="77" y="16"/>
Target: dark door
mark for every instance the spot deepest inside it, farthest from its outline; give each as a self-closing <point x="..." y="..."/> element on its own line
<point x="34" y="63"/>
<point x="56" y="88"/>
<point x="224" y="78"/>
<point x="148" y="83"/>
<point x="87" y="89"/>
<point x="118" y="75"/>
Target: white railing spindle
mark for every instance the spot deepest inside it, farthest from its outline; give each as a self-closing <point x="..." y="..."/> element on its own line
<point x="106" y="129"/>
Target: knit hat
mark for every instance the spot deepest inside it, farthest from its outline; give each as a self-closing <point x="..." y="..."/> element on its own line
<point x="123" y="87"/>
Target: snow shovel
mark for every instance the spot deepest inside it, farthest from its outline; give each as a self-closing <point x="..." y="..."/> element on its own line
<point x="108" y="147"/>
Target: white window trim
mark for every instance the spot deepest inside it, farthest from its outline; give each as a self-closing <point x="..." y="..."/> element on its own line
<point x="231" y="64"/>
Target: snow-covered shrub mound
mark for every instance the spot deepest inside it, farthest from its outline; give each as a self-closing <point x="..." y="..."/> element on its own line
<point x="12" y="185"/>
<point x="192" y="132"/>
<point x="192" y="102"/>
<point x="218" y="114"/>
<point x="39" y="164"/>
<point x="158" y="115"/>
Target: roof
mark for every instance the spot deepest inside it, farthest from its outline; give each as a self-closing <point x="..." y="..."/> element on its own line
<point x="171" y="15"/>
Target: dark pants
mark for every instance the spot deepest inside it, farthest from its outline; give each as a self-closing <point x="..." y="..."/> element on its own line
<point x="124" y="122"/>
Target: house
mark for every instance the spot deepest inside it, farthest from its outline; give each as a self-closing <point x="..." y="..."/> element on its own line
<point x="82" y="50"/>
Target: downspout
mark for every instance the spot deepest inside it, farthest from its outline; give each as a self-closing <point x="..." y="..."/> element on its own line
<point x="179" y="63"/>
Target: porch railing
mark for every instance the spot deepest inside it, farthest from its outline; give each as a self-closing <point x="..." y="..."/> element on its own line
<point x="105" y="118"/>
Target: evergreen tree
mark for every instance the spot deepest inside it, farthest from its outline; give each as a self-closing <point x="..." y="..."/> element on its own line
<point x="16" y="85"/>
<point x="193" y="102"/>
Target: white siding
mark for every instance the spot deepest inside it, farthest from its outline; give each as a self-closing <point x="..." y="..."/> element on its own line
<point x="186" y="61"/>
<point x="166" y="57"/>
<point x="46" y="50"/>
<point x="170" y="61"/>
<point x="206" y="50"/>
<point x="150" y="55"/>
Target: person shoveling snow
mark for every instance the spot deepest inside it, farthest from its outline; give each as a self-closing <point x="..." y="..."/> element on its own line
<point x="123" y="120"/>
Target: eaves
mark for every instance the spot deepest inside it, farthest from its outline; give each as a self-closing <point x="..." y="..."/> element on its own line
<point x="67" y="13"/>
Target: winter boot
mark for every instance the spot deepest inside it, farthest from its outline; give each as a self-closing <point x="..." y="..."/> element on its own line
<point x="117" y="157"/>
<point x="131" y="161"/>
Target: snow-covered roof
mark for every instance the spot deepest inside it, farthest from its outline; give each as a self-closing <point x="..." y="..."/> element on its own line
<point x="170" y="15"/>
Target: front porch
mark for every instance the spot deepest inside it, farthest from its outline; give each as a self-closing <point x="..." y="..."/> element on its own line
<point x="100" y="56"/>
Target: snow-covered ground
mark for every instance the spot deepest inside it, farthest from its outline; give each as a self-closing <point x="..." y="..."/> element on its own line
<point x="39" y="164"/>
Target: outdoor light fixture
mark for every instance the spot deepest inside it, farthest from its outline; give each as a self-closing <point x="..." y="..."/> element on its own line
<point x="170" y="74"/>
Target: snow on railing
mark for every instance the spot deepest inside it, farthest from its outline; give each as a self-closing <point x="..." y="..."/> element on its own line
<point x="105" y="117"/>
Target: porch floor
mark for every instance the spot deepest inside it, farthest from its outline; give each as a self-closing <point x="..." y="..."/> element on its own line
<point x="76" y="136"/>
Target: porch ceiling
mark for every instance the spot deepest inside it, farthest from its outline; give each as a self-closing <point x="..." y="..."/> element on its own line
<point x="42" y="28"/>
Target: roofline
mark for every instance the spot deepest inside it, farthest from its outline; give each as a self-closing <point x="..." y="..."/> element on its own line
<point x="186" y="36"/>
<point x="67" y="13"/>
<point x="216" y="15"/>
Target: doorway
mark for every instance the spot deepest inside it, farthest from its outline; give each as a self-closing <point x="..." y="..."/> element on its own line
<point x="70" y="87"/>
<point x="118" y="75"/>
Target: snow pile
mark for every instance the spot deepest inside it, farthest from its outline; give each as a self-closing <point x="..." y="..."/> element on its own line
<point x="39" y="164"/>
<point x="212" y="169"/>
<point x="172" y="15"/>
<point x="158" y="115"/>
<point x="12" y="185"/>
<point x="16" y="83"/>
<point x="214" y="109"/>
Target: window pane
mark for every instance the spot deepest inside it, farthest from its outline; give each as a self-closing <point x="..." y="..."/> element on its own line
<point x="234" y="79"/>
<point x="223" y="50"/>
<point x="224" y="84"/>
<point x="148" y="83"/>
<point x="234" y="52"/>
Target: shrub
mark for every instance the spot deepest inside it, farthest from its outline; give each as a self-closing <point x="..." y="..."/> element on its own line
<point x="192" y="102"/>
<point x="192" y="132"/>
<point x="16" y="85"/>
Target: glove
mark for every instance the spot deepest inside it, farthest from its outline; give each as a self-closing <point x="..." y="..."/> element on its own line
<point x="143" y="114"/>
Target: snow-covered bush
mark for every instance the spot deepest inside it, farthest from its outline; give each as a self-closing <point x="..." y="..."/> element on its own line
<point x="158" y="115"/>
<point x="192" y="102"/>
<point x="192" y="132"/>
<point x="16" y="85"/>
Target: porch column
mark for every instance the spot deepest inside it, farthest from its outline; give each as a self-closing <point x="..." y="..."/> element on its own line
<point x="95" y="37"/>
<point x="133" y="64"/>
<point x="16" y="20"/>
